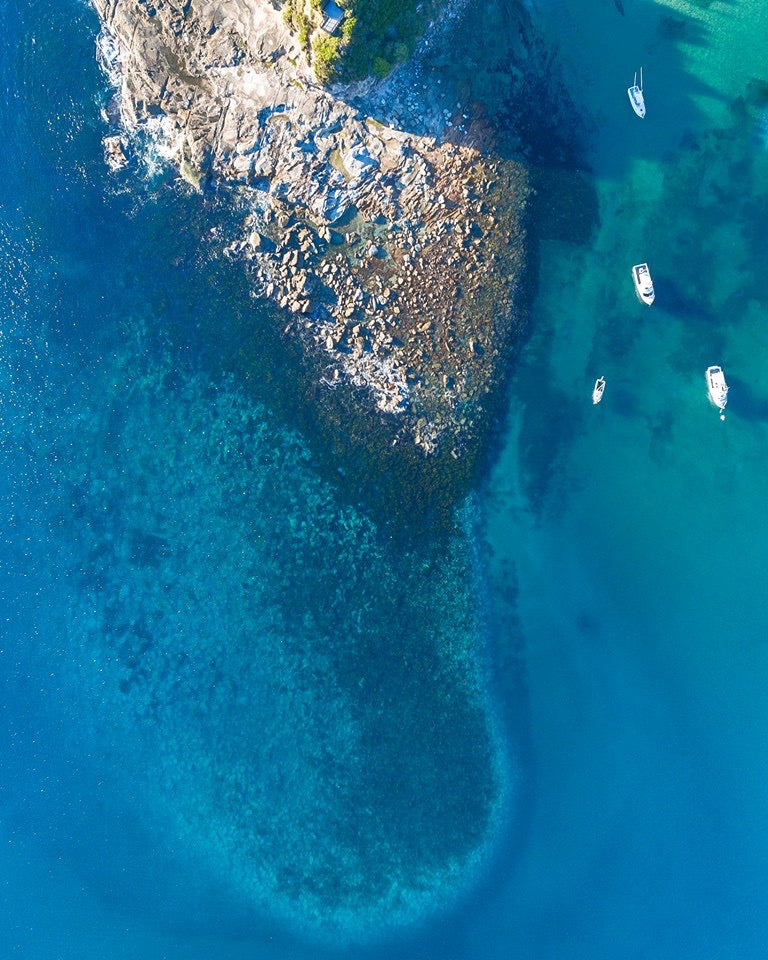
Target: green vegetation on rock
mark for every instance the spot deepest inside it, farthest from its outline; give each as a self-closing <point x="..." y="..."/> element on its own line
<point x="296" y="18"/>
<point x="374" y="36"/>
<point x="381" y="67"/>
<point x="325" y="52"/>
<point x="191" y="173"/>
<point x="384" y="33"/>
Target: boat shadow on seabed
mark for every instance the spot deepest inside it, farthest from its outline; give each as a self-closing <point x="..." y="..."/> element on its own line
<point x="749" y="404"/>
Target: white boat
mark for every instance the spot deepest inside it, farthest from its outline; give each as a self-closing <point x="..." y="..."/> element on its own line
<point x="643" y="283"/>
<point x="636" y="97"/>
<point x="717" y="388"/>
<point x="597" y="392"/>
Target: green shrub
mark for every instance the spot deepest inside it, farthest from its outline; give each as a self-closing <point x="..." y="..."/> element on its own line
<point x="302" y="24"/>
<point x="381" y="67"/>
<point x="325" y="53"/>
<point x="348" y="25"/>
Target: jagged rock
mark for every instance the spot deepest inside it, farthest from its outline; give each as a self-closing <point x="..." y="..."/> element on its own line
<point x="358" y="162"/>
<point x="114" y="153"/>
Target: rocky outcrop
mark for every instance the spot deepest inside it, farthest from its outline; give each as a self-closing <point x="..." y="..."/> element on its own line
<point x="396" y="256"/>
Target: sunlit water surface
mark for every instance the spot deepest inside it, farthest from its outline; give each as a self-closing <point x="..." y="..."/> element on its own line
<point x="608" y="804"/>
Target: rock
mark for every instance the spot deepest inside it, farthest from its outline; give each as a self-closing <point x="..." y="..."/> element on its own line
<point x="359" y="162"/>
<point x="114" y="153"/>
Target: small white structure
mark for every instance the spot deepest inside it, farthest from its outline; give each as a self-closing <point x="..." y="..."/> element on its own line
<point x="333" y="16"/>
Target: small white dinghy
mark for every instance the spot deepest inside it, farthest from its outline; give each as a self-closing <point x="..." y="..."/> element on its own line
<point x="717" y="388"/>
<point x="597" y="392"/>
<point x="636" y="97"/>
<point x="641" y="276"/>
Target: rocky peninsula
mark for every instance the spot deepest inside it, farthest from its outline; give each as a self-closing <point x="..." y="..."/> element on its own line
<point x="389" y="234"/>
<point x="309" y="667"/>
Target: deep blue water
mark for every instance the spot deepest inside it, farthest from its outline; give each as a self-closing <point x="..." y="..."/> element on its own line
<point x="236" y="721"/>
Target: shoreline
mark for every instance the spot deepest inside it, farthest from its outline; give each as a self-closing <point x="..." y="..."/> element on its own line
<point x="400" y="272"/>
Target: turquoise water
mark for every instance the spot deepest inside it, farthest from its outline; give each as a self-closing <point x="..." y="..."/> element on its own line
<point x="635" y="530"/>
<point x="241" y="718"/>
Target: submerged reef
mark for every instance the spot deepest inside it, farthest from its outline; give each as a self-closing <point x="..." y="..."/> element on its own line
<point x="393" y="244"/>
<point x="307" y="704"/>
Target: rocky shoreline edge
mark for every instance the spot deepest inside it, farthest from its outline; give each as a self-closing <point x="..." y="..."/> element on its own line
<point x="397" y="258"/>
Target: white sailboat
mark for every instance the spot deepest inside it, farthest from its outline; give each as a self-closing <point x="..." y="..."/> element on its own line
<point x="717" y="388"/>
<point x="641" y="276"/>
<point x="636" y="97"/>
<point x="597" y="392"/>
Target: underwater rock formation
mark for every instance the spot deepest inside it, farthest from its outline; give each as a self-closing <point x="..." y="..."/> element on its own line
<point x="304" y="707"/>
<point x="396" y="255"/>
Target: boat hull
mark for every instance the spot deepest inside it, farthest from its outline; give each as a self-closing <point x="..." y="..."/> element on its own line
<point x="641" y="277"/>
<point x="637" y="100"/>
<point x="597" y="392"/>
<point x="717" y="389"/>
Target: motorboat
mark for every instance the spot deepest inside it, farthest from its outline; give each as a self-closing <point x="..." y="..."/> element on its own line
<point x="643" y="283"/>
<point x="597" y="392"/>
<point x="717" y="388"/>
<point x="636" y="97"/>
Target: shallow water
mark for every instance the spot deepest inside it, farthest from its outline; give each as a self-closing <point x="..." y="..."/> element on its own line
<point x="170" y="549"/>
